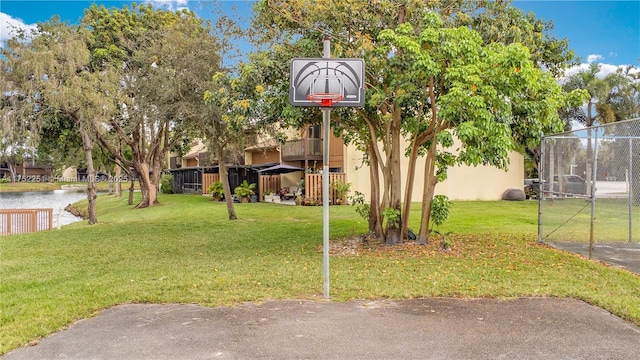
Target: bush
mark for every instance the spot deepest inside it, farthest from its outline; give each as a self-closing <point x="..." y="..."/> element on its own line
<point x="391" y="216"/>
<point x="440" y="206"/>
<point x="166" y="184"/>
<point x="245" y="189"/>
<point x="216" y="190"/>
<point x="342" y="189"/>
<point x="362" y="208"/>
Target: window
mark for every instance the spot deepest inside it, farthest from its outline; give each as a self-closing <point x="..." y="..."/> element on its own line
<point x="315" y="132"/>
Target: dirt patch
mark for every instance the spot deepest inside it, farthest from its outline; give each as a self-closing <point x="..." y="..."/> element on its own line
<point x="369" y="245"/>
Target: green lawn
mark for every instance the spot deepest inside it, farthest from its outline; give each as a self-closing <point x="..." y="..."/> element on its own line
<point x="186" y="251"/>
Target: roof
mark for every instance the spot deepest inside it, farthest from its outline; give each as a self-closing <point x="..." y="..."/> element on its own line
<point x="195" y="150"/>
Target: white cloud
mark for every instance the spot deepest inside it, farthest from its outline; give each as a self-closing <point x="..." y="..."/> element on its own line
<point x="605" y="68"/>
<point x="172" y="5"/>
<point x="594" y="58"/>
<point x="9" y="27"/>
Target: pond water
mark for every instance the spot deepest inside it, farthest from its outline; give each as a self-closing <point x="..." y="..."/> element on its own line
<point x="56" y="200"/>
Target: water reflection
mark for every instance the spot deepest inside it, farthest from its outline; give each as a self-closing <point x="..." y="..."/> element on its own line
<point x="56" y="200"/>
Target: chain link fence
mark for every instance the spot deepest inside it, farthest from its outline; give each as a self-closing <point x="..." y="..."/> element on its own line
<point x="589" y="190"/>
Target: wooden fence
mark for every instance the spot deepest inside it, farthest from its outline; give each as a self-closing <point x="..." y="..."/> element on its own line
<point x="313" y="186"/>
<point x="207" y="180"/>
<point x="21" y="221"/>
<point x="270" y="183"/>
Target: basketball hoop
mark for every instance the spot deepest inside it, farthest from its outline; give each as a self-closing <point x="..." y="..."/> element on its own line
<point x="324" y="99"/>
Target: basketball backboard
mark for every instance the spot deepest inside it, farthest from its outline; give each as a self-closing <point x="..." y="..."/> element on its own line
<point x="343" y="78"/>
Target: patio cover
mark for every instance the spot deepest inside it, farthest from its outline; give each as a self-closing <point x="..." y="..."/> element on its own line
<point x="279" y="169"/>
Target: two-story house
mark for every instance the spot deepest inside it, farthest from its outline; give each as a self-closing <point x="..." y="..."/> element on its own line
<point x="304" y="150"/>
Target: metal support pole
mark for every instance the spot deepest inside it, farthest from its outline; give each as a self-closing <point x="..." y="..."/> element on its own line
<point x="594" y="167"/>
<point x="326" y="124"/>
<point x="630" y="189"/>
<point x="540" y="187"/>
<point x="326" y="114"/>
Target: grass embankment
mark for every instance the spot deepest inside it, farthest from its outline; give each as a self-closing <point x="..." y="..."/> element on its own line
<point x="186" y="251"/>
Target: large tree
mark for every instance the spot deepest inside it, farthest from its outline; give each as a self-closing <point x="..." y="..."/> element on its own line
<point x="477" y="92"/>
<point x="49" y="75"/>
<point x="624" y="97"/>
<point x="602" y="104"/>
<point x="231" y="109"/>
<point x="412" y="72"/>
<point x="602" y="90"/>
<point x="163" y="60"/>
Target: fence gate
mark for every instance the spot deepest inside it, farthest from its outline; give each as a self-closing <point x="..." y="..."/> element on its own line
<point x="207" y="180"/>
<point x="590" y="188"/>
<point x="313" y="186"/>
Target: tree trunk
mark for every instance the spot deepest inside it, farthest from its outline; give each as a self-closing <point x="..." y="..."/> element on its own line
<point x="118" y="179"/>
<point x="430" y="182"/>
<point x="393" y="235"/>
<point x="91" y="174"/>
<point x="408" y="191"/>
<point x="224" y="178"/>
<point x="12" y="171"/>
<point x="430" y="178"/>
<point x="147" y="187"/>
<point x="156" y="172"/>
<point x="375" y="217"/>
<point x="132" y="187"/>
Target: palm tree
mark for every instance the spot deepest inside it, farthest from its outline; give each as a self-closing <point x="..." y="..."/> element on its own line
<point x="612" y="97"/>
<point x="598" y="107"/>
<point x="625" y="97"/>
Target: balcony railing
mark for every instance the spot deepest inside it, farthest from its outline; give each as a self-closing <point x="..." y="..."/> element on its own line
<point x="302" y="149"/>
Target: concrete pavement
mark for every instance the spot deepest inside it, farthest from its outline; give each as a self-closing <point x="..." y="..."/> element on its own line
<point x="432" y="328"/>
<point x="622" y="255"/>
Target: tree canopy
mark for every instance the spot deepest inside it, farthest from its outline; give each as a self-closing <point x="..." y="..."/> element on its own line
<point x="434" y="69"/>
<point x="163" y="60"/>
<point x="47" y="74"/>
<point x="131" y="79"/>
<point x="230" y="121"/>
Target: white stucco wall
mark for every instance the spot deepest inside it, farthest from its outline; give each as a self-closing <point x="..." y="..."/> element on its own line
<point x="463" y="183"/>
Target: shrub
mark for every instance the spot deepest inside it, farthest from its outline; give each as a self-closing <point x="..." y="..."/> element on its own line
<point x="391" y="216"/>
<point x="440" y="205"/>
<point x="342" y="188"/>
<point x="245" y="189"/>
<point x="216" y="190"/>
<point x="362" y="208"/>
<point x="166" y="184"/>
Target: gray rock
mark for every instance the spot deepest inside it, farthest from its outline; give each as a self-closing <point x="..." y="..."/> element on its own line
<point x="514" y="195"/>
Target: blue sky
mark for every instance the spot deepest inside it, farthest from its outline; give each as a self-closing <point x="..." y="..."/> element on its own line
<point x="606" y="31"/>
